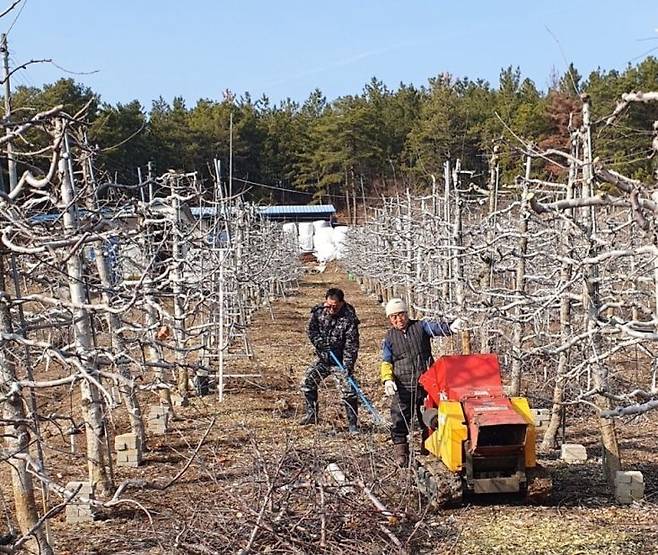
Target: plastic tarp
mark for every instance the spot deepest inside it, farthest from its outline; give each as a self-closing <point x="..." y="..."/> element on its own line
<point x="306" y="236"/>
<point x="290" y="229"/>
<point x="323" y="243"/>
<point x="320" y="224"/>
<point x="290" y="235"/>
<point x="340" y="234"/>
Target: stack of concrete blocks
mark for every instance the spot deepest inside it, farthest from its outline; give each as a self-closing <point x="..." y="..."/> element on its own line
<point x="629" y="486"/>
<point x="542" y="418"/>
<point x="158" y="419"/>
<point x="573" y="453"/>
<point x="128" y="449"/>
<point x="78" y="510"/>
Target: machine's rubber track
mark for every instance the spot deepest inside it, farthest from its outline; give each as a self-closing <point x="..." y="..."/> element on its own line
<point x="438" y="484"/>
<point x="442" y="487"/>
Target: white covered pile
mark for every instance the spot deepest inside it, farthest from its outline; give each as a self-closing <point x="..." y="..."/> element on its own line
<point x="325" y="242"/>
<point x="305" y="236"/>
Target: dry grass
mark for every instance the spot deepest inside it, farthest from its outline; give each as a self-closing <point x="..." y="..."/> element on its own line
<point x="258" y="480"/>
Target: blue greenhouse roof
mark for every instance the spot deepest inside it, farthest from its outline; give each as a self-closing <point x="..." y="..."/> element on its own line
<point x="298" y="210"/>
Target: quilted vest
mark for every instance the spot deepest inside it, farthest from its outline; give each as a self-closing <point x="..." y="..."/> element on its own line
<point x="412" y="353"/>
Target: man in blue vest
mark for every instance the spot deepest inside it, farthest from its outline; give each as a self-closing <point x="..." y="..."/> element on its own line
<point x="406" y="354"/>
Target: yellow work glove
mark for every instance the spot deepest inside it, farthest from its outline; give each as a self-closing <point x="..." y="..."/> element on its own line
<point x="386" y="372"/>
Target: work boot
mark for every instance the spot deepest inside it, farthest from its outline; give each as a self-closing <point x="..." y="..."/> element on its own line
<point x="311" y="404"/>
<point x="352" y="411"/>
<point x="311" y="416"/>
<point x="401" y="454"/>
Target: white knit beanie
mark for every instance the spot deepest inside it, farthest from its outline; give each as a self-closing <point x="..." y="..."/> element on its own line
<point x="394" y="306"/>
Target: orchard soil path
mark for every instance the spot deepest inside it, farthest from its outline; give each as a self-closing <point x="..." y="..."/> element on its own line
<point x="258" y="482"/>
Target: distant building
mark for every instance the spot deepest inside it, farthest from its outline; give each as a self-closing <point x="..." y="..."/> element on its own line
<point x="299" y="213"/>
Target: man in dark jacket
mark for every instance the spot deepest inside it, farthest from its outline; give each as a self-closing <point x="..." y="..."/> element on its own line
<point x="332" y="328"/>
<point x="406" y="354"/>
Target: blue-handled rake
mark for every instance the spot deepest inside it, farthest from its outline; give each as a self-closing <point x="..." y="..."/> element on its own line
<point x="376" y="417"/>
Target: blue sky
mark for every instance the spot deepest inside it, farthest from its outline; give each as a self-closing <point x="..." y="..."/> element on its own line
<point x="142" y="49"/>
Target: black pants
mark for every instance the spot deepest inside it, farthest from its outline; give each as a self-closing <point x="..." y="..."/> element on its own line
<point x="404" y="406"/>
<point x="315" y="375"/>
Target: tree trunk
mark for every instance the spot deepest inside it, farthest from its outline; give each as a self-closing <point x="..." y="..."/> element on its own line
<point x="458" y="267"/>
<point x="128" y="392"/>
<point x="549" y="440"/>
<point x="518" y="326"/>
<point x="176" y="276"/>
<point x="17" y="437"/>
<point x="486" y="281"/>
<point x="408" y="257"/>
<point x="153" y="352"/>
<point x="446" y="222"/>
<point x="90" y="396"/>
<point x="611" y="455"/>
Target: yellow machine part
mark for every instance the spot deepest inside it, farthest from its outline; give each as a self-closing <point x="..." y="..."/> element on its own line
<point x="521" y="406"/>
<point x="446" y="441"/>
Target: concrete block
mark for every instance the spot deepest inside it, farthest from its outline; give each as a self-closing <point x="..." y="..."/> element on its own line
<point x="83" y="489"/>
<point x="573" y="453"/>
<point x="131" y="457"/>
<point x="637" y="491"/>
<point x="124" y="442"/>
<point x="158" y="430"/>
<point x="129" y="464"/>
<point x="179" y="401"/>
<point x="128" y="450"/>
<point x="158" y="419"/>
<point x="629" y="477"/>
<point x="158" y="411"/>
<point x="78" y="510"/>
<point x="542" y="417"/>
<point x="79" y="519"/>
<point x="629" y="486"/>
<point x="622" y="477"/>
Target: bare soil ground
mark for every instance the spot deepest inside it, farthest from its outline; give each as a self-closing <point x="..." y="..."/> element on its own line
<point x="258" y="484"/>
